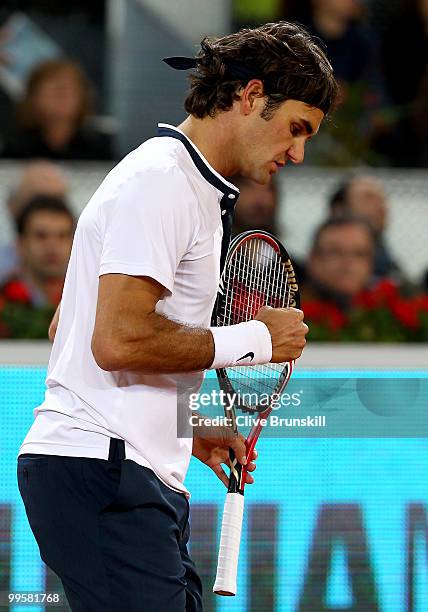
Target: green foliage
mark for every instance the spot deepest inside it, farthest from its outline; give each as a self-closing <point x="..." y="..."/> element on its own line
<point x="25" y="322"/>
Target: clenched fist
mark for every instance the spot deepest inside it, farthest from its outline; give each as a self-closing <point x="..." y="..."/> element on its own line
<point x="287" y="331"/>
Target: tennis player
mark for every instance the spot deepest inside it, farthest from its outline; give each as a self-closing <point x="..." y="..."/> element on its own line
<point x="101" y="471"/>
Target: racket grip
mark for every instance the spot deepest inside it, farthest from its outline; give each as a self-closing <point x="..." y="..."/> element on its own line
<point x="227" y="564"/>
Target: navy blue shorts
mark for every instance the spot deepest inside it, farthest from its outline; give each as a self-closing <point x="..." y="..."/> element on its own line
<point x="112" y="531"/>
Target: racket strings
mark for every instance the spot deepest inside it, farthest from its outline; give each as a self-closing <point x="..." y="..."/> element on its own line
<point x="251" y="283"/>
<point x="256" y="276"/>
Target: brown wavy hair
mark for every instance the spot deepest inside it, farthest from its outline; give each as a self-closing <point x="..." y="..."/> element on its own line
<point x="290" y="62"/>
<point x="25" y="111"/>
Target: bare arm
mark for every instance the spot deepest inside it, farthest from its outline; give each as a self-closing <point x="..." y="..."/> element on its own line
<point x="130" y="335"/>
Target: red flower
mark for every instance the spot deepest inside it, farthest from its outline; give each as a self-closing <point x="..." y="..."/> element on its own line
<point x="407" y="312"/>
<point x="334" y="317"/>
<point x="386" y="291"/>
<point x="365" y="299"/>
<point x="421" y="302"/>
<point x="313" y="310"/>
<point x="384" y="294"/>
<point x="326" y="312"/>
<point x="16" y="291"/>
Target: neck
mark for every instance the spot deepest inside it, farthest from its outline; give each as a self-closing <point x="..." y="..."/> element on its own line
<point x="212" y="138"/>
<point x="59" y="133"/>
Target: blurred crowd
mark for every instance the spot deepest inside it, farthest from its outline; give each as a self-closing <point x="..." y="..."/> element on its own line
<point x="351" y="287"/>
<point x="379" y="51"/>
<point x="51" y="109"/>
<point x="52" y="81"/>
<point x="34" y="263"/>
<point x="348" y="269"/>
<point x="52" y="120"/>
<point x="378" y="48"/>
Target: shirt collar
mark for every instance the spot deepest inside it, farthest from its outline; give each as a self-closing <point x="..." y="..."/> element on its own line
<point x="230" y="192"/>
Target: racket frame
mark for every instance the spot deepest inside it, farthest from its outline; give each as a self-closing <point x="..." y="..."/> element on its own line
<point x="225" y="583"/>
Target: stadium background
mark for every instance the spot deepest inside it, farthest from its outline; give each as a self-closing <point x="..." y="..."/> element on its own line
<point x="333" y="524"/>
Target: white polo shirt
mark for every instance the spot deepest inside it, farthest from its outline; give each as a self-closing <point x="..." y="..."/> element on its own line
<point x="157" y="214"/>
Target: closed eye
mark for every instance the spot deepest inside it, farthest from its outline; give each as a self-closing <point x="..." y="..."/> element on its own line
<point x="302" y="128"/>
<point x="296" y="129"/>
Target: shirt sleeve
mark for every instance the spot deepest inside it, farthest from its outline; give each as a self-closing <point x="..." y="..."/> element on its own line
<point x="149" y="226"/>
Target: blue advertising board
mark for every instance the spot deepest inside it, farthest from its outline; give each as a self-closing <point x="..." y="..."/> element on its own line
<point x="332" y="523"/>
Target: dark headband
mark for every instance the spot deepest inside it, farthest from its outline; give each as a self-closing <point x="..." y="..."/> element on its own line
<point x="235" y="68"/>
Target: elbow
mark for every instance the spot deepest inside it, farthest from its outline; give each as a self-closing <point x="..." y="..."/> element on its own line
<point x="114" y="355"/>
<point x="107" y="355"/>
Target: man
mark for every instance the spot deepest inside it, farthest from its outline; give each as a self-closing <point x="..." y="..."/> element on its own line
<point x="340" y="264"/>
<point x="364" y="196"/>
<point x="38" y="178"/>
<point x="106" y="500"/>
<point x="45" y="233"/>
<point x="257" y="207"/>
<point x="30" y="295"/>
<point x="348" y="39"/>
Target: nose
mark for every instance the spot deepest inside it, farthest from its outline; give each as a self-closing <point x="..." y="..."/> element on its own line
<point x="296" y="152"/>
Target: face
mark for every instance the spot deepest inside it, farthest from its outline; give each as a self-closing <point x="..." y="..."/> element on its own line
<point x="58" y="97"/>
<point x="366" y="198"/>
<point x="343" y="260"/>
<point x="344" y="9"/>
<point x="256" y="206"/>
<point x="46" y="244"/>
<point x="265" y="146"/>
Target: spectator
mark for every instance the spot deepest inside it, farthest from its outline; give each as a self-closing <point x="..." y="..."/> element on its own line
<point x="38" y="178"/>
<point x="349" y="43"/>
<point x="340" y="263"/>
<point x="53" y="118"/>
<point x="78" y="27"/>
<point x="404" y="51"/>
<point x="257" y="206"/>
<point x="364" y="196"/>
<point x="352" y="49"/>
<point x="45" y="231"/>
<point x="404" y="143"/>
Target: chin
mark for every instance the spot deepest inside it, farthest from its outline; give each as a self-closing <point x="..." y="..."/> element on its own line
<point x="260" y="175"/>
<point x="262" y="178"/>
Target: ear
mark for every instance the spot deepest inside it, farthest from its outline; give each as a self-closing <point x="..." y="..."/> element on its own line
<point x="251" y="96"/>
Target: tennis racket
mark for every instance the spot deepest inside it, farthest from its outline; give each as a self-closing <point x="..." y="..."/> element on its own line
<point x="257" y="272"/>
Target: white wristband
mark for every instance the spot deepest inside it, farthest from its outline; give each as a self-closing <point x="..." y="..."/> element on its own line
<point x="244" y="344"/>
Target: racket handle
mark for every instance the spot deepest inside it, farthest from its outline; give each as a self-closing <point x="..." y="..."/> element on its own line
<point x="227" y="564"/>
